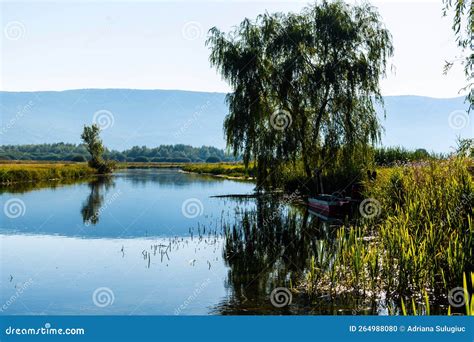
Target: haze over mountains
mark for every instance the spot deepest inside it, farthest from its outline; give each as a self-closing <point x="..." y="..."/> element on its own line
<point x="152" y="117"/>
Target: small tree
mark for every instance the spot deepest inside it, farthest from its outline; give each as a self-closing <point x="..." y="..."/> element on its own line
<point x="91" y="138"/>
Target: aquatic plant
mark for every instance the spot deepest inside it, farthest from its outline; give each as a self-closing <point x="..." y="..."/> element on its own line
<point x="421" y="242"/>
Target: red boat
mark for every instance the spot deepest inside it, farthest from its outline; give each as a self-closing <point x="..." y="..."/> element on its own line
<point x="330" y="205"/>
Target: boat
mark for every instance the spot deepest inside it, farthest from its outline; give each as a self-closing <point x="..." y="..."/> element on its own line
<point x="330" y="205"/>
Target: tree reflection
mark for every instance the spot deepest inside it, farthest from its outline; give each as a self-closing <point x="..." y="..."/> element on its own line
<point x="267" y="248"/>
<point x="91" y="208"/>
<point x="271" y="247"/>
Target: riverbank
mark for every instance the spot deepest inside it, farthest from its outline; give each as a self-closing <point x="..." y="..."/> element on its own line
<point x="148" y="165"/>
<point x="413" y="242"/>
<point x="235" y="171"/>
<point x="40" y="171"/>
<point x="30" y="171"/>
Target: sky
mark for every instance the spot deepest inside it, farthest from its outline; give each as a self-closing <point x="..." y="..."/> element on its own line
<point x="161" y="45"/>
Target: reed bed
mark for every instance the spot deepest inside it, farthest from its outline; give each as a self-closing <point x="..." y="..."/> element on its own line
<point x="36" y="172"/>
<point x="417" y="242"/>
<point x="233" y="170"/>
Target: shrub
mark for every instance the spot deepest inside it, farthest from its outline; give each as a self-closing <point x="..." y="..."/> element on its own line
<point x="213" y="159"/>
<point x="78" y="158"/>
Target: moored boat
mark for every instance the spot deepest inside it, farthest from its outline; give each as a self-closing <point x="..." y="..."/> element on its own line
<point x="330" y="205"/>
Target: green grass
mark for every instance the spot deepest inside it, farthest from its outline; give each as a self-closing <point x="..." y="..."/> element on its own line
<point x="398" y="155"/>
<point x="35" y="171"/>
<point x="38" y="172"/>
<point x="232" y="170"/>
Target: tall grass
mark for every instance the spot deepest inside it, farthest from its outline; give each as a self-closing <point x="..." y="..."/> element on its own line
<point x="421" y="242"/>
<point x="388" y="156"/>
<point x="222" y="169"/>
<point x="36" y="172"/>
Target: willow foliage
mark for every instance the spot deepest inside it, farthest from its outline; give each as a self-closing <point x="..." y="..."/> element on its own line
<point x="305" y="85"/>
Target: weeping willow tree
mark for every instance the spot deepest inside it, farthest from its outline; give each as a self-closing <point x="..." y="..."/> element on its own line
<point x="463" y="27"/>
<point x="304" y="86"/>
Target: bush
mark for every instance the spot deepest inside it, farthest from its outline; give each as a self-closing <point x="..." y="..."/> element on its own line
<point x="399" y="155"/>
<point x="141" y="159"/>
<point x="78" y="158"/>
<point x="179" y="160"/>
<point x="213" y="159"/>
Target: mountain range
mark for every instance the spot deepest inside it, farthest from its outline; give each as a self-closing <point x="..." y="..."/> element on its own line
<point x="131" y="117"/>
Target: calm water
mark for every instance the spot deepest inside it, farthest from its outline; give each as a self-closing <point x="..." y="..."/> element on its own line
<point x="152" y="242"/>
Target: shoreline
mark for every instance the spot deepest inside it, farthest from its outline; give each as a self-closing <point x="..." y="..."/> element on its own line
<point x="218" y="175"/>
<point x="32" y="171"/>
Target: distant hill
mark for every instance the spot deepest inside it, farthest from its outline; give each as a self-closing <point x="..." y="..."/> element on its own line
<point x="155" y="117"/>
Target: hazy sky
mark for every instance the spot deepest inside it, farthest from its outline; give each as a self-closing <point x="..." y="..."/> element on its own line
<point x="160" y="45"/>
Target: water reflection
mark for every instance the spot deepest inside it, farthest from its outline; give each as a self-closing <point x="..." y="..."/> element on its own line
<point x="24" y="187"/>
<point x="270" y="247"/>
<point x="131" y="203"/>
<point x="240" y="248"/>
<point x="92" y="207"/>
<point x="169" y="178"/>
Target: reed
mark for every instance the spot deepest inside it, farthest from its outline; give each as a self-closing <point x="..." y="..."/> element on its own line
<point x="422" y="241"/>
<point x="398" y="155"/>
